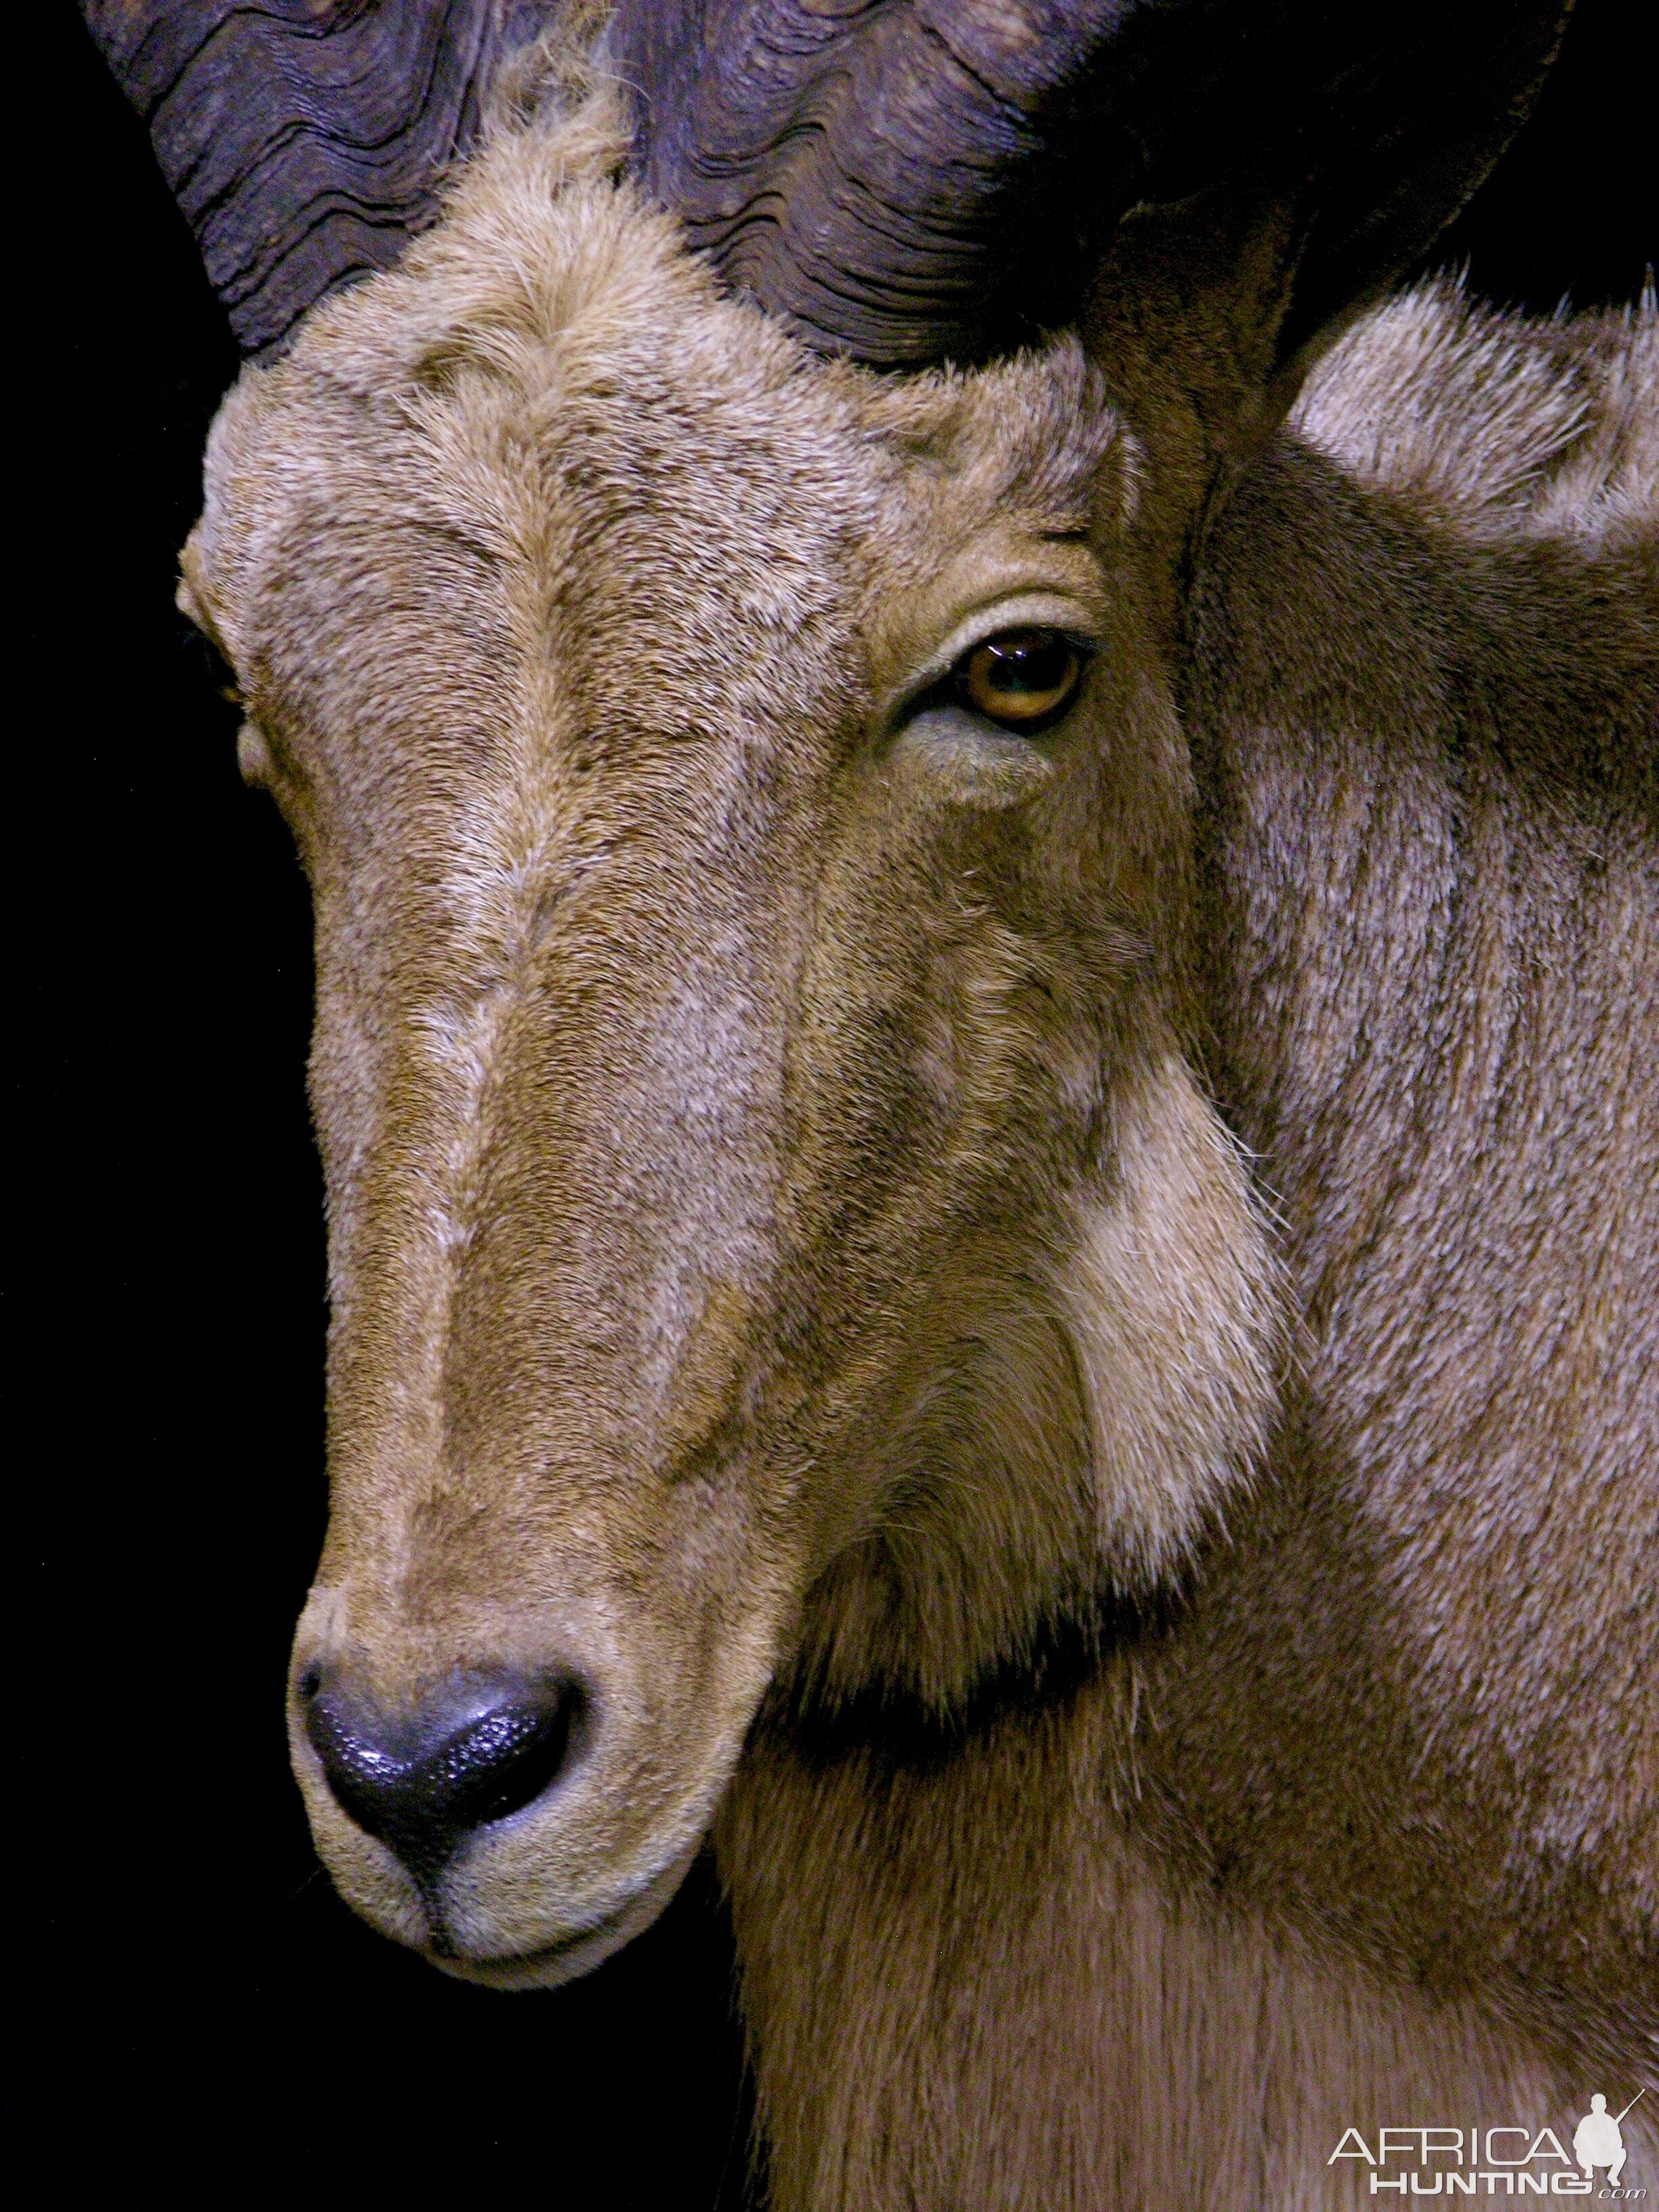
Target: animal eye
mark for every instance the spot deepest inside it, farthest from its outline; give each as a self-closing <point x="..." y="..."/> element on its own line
<point x="219" y="671"/>
<point x="1021" y="678"/>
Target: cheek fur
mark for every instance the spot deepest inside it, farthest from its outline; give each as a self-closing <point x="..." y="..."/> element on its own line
<point x="1173" y="1300"/>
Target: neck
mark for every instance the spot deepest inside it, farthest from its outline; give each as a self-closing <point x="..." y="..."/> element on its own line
<point x="1126" y="1937"/>
<point x="970" y="1983"/>
<point x="1426" y="844"/>
<point x="1432" y="919"/>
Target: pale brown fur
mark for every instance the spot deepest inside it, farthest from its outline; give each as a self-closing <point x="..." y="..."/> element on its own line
<point x="1172" y="1686"/>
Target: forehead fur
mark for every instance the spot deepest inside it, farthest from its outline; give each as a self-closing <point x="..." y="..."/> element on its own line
<point x="552" y="335"/>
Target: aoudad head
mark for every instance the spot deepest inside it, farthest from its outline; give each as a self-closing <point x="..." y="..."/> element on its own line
<point x="780" y="1246"/>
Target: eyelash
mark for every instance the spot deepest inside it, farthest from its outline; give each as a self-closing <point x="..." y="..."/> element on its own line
<point x="218" y="670"/>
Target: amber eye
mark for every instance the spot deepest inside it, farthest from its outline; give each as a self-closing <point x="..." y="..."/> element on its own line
<point x="1021" y="678"/>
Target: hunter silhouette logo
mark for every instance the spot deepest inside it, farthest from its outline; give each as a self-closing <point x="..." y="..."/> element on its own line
<point x="1494" y="2161"/>
<point x="1597" y="2140"/>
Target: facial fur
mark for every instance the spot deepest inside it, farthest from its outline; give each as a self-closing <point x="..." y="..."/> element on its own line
<point x="777" y="1231"/>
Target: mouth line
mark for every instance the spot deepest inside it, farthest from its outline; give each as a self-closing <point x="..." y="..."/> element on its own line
<point x="570" y="1956"/>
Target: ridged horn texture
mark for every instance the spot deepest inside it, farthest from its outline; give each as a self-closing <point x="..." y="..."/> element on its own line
<point x="304" y="139"/>
<point x="915" y="179"/>
<point x="906" y="179"/>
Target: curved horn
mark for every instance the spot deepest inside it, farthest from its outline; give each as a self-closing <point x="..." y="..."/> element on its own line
<point x="303" y="138"/>
<point x="905" y="178"/>
<point x="910" y="179"/>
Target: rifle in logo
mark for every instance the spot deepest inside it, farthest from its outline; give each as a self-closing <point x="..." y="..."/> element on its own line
<point x="1597" y="2139"/>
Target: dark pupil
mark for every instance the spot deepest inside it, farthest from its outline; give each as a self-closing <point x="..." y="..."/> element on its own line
<point x="1041" y="665"/>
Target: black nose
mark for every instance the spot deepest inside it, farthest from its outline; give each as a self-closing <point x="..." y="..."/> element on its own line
<point x="474" y="1754"/>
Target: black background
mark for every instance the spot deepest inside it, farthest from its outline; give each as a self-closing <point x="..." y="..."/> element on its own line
<point x="211" y="2016"/>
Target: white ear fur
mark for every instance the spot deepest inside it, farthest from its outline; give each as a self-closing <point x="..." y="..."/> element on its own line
<point x="1173" y="1303"/>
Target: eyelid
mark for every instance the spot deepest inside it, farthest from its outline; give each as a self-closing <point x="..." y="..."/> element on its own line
<point x="1035" y="610"/>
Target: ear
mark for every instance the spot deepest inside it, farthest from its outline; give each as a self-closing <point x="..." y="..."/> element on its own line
<point x="1185" y="319"/>
<point x="1215" y="305"/>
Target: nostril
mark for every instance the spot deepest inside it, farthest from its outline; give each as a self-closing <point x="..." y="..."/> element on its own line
<point x="423" y="1787"/>
<point x="503" y="1762"/>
